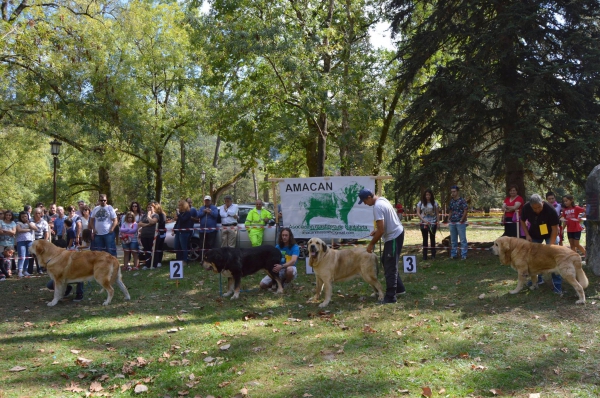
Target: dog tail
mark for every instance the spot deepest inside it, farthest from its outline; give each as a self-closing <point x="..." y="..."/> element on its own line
<point x="580" y="274"/>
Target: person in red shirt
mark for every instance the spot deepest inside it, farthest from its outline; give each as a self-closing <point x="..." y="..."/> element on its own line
<point x="570" y="215"/>
<point x="399" y="210"/>
<point x="511" y="204"/>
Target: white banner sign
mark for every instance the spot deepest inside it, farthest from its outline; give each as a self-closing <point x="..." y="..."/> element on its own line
<point x="326" y="207"/>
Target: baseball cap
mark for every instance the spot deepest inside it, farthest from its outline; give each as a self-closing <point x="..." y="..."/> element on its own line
<point x="364" y="194"/>
<point x="207" y="197"/>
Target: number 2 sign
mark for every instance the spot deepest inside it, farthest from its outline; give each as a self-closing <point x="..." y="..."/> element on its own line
<point x="176" y="270"/>
<point x="410" y="264"/>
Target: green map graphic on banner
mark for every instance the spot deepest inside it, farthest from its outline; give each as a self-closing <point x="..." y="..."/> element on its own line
<point x="326" y="207"/>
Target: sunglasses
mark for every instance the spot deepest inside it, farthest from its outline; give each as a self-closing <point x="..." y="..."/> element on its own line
<point x="102" y="200"/>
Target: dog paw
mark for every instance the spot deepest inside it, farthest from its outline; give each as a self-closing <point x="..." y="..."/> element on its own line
<point x="515" y="291"/>
<point x="533" y="287"/>
<point x="580" y="302"/>
<point x="323" y="305"/>
<point x="235" y="297"/>
<point x="106" y="303"/>
<point x="52" y="303"/>
<point x="227" y="294"/>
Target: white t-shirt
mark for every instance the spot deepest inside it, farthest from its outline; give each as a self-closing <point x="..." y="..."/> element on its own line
<point x="103" y="219"/>
<point x="227" y="214"/>
<point x="383" y="210"/>
<point x="428" y="212"/>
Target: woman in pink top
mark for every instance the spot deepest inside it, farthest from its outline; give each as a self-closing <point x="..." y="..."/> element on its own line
<point x="128" y="235"/>
<point x="511" y="204"/>
<point x="570" y="215"/>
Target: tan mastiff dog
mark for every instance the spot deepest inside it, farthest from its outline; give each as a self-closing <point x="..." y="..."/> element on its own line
<point x="530" y="259"/>
<point x="66" y="267"/>
<point x="341" y="265"/>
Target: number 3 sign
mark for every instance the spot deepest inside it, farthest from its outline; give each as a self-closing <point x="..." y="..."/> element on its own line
<point x="176" y="270"/>
<point x="410" y="264"/>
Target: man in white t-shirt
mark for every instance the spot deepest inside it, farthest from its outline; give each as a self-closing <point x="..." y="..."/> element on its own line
<point x="103" y="221"/>
<point x="229" y="217"/>
<point x="388" y="227"/>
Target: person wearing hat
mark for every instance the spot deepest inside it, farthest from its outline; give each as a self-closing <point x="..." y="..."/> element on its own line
<point x="388" y="227"/>
<point x="229" y="218"/>
<point x="207" y="216"/>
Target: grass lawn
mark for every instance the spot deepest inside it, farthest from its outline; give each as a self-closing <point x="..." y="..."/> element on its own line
<point x="457" y="332"/>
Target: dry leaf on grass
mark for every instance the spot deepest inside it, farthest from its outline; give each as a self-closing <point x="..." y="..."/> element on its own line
<point x="140" y="388"/>
<point x="75" y="352"/>
<point x="96" y="387"/>
<point x="369" y="329"/>
<point x="534" y="395"/>
<point x="544" y="337"/>
<point x="183" y="393"/>
<point x="224" y="384"/>
<point x="17" y="369"/>
<point x="208" y="359"/>
<point x="83" y="362"/>
<point x="426" y="392"/>
<point x="225" y="347"/>
<point x="74" y="387"/>
<point x="244" y="391"/>
<point x="496" y="391"/>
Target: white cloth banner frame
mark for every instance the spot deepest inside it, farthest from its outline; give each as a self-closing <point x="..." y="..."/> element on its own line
<point x="326" y="207"/>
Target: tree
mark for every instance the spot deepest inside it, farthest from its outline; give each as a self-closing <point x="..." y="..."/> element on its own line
<point x="513" y="81"/>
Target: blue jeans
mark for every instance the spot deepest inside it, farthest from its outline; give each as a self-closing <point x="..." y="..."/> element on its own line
<point x="23" y="251"/>
<point x="181" y="245"/>
<point x="556" y="278"/>
<point x="105" y="243"/>
<point x="458" y="231"/>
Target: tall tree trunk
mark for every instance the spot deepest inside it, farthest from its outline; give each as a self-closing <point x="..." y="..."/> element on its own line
<point x="254" y="184"/>
<point x="385" y="129"/>
<point x="311" y="149"/>
<point x="215" y="162"/>
<point x="104" y="186"/>
<point x="149" y="184"/>
<point x="322" y="145"/>
<point x="266" y="189"/>
<point x="159" y="176"/>
<point x="346" y="161"/>
<point x="182" y="166"/>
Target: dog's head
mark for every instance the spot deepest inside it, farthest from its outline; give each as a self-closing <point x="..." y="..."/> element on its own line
<point x="213" y="260"/>
<point x="316" y="248"/>
<point x="502" y="248"/>
<point x="38" y="246"/>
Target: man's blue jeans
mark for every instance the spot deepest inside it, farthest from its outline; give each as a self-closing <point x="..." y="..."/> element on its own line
<point x="105" y="243"/>
<point x="458" y="231"/>
<point x="556" y="278"/>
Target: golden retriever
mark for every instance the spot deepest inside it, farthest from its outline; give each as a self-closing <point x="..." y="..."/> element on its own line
<point x="341" y="265"/>
<point x="530" y="259"/>
<point x="66" y="267"/>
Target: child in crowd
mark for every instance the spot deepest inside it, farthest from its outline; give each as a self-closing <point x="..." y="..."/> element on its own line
<point x="71" y="235"/>
<point x="570" y="215"/>
<point x="6" y="262"/>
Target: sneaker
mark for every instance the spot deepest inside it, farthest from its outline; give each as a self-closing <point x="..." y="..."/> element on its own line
<point x="136" y="268"/>
<point x="158" y="265"/>
<point x="68" y="291"/>
<point x="540" y="281"/>
<point x="386" y="301"/>
<point x="41" y="272"/>
<point x="20" y="274"/>
<point x="78" y="298"/>
<point x="26" y="274"/>
<point x="144" y="268"/>
<point x="129" y="268"/>
<point x="2" y="278"/>
<point x="400" y="293"/>
<point x="463" y="258"/>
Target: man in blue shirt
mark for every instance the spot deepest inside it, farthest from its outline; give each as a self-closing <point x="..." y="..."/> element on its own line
<point x="207" y="216"/>
<point x="458" y="223"/>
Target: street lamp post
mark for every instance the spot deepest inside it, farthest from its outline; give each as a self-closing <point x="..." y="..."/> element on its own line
<point x="55" y="150"/>
<point x="203" y="176"/>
